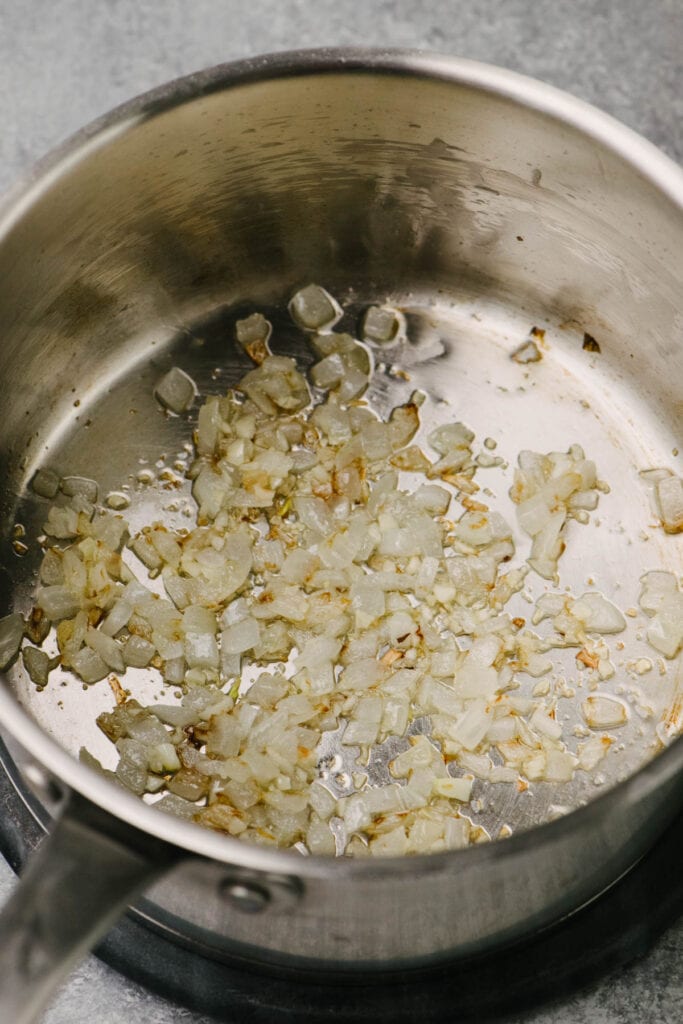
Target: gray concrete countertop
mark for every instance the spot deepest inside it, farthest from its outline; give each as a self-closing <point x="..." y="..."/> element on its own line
<point x="63" y="62"/>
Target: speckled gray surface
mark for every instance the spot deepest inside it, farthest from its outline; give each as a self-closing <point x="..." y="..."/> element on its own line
<point x="63" y="62"/>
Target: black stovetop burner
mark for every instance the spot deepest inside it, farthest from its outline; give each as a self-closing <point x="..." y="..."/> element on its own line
<point x="620" y="925"/>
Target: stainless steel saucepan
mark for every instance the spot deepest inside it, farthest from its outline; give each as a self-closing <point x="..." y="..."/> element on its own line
<point x="481" y="203"/>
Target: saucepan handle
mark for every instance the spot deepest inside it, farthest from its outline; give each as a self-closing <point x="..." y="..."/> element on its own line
<point x="75" y="886"/>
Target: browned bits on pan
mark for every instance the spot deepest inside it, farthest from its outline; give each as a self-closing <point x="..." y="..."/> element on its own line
<point x="589" y="343"/>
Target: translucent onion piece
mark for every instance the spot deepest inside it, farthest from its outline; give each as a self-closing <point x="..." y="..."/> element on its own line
<point x="669" y="493"/>
<point x="11" y="635"/>
<point x="45" y="482"/>
<point x="176" y="390"/>
<point x="602" y="712"/>
<point x="314" y="309"/>
<point x="73" y="485"/>
<point x="383" y="325"/>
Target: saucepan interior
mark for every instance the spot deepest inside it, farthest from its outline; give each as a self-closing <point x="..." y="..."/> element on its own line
<point x="481" y="205"/>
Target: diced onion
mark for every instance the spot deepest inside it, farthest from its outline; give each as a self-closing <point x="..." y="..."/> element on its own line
<point x="314" y="309"/>
<point x="89" y="666"/>
<point x="58" y="602"/>
<point x="45" y="482"/>
<point x="383" y="325"/>
<point x="315" y="594"/>
<point x="108" y="649"/>
<point x="11" y="635"/>
<point x="73" y="485"/>
<point x="602" y="712"/>
<point x="176" y="390"/>
<point x="662" y="598"/>
<point x="669" y="492"/>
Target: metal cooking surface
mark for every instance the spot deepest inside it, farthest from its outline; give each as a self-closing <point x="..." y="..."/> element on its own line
<point x="458" y="353"/>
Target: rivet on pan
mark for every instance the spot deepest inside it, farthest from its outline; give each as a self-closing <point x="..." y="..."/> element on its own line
<point x="248" y="898"/>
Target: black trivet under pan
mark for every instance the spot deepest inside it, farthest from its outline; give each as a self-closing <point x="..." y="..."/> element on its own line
<point x="620" y="925"/>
